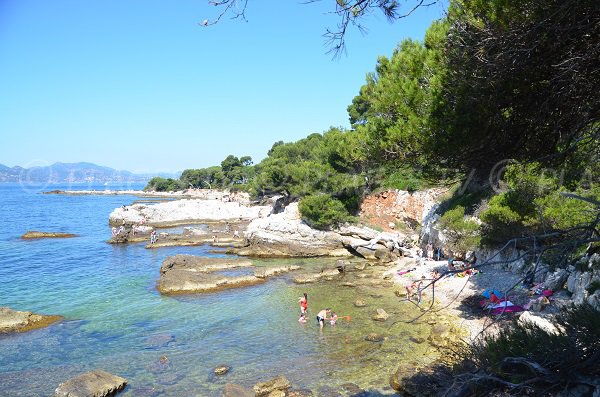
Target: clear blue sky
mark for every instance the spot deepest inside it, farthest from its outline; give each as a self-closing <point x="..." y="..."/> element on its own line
<point x="139" y="85"/>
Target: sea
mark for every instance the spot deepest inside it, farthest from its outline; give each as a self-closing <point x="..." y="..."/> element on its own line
<point x="115" y="320"/>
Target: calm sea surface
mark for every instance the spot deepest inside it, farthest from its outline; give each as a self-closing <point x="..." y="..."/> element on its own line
<point x="116" y="321"/>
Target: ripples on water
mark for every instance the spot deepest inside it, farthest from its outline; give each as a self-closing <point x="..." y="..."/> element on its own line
<point x="116" y="321"/>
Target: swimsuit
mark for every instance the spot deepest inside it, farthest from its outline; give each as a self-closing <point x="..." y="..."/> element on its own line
<point x="319" y="319"/>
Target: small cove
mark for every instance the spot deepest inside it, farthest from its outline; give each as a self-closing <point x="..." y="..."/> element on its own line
<point x="117" y="321"/>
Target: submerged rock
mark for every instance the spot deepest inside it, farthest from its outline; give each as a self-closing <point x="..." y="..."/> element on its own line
<point x="360" y="303"/>
<point x="381" y="315"/>
<point x="96" y="383"/>
<point x="160" y="340"/>
<point x="32" y="234"/>
<point x="300" y="393"/>
<point x="374" y="337"/>
<point x="280" y="383"/>
<point x="232" y="390"/>
<point x="222" y="369"/>
<point x="273" y="271"/>
<point x="17" y="321"/>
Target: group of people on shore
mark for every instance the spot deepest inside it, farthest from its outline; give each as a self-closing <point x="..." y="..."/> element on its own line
<point x="322" y="316"/>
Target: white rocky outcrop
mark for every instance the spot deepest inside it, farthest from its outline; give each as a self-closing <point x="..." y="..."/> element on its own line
<point x="584" y="283"/>
<point x="285" y="234"/>
<point x="186" y="211"/>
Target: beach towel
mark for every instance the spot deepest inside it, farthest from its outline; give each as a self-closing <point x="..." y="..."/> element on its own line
<point x="501" y="305"/>
<point x="508" y="309"/>
<point x="489" y="292"/>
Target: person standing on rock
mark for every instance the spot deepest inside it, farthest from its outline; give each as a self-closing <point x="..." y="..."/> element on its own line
<point x="429" y="251"/>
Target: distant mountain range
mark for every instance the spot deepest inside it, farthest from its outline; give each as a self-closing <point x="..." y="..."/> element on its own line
<point x="72" y="172"/>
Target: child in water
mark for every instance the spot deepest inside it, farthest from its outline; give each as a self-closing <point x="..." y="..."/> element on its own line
<point x="302" y="318"/>
<point x="334" y="318"/>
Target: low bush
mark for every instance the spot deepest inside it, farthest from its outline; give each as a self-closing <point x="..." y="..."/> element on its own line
<point x="158" y="184"/>
<point x="323" y="211"/>
<point x="462" y="232"/>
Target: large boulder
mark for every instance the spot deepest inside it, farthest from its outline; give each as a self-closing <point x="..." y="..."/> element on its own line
<point x="18" y="321"/>
<point x="540" y="321"/>
<point x="285" y="234"/>
<point x="96" y="383"/>
<point x="555" y="281"/>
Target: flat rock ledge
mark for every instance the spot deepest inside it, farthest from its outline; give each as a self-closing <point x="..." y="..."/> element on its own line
<point x="96" y="383"/>
<point x="185" y="212"/>
<point x="185" y="274"/>
<point x="32" y="234"/>
<point x="17" y="321"/>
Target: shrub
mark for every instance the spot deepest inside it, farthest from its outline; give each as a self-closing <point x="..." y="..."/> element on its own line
<point x="463" y="233"/>
<point x="323" y="211"/>
<point x="522" y="359"/>
<point x="533" y="204"/>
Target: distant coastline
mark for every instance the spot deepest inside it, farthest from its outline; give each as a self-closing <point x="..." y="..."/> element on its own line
<point x="81" y="172"/>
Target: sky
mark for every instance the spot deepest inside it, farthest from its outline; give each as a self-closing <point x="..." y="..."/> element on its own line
<point x="139" y="85"/>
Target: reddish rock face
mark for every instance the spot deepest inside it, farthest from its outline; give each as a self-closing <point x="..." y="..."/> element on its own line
<point x="387" y="209"/>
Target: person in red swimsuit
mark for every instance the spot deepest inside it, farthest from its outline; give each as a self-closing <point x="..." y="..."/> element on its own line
<point x="303" y="304"/>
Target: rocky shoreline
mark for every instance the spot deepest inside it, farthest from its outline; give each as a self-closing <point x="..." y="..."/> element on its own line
<point x="267" y="230"/>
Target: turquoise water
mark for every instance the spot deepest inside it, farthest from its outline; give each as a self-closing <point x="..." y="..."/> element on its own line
<point x="115" y="320"/>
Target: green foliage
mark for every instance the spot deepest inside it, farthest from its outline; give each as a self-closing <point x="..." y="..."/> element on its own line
<point x="533" y="203"/>
<point x="158" y="184"/>
<point x="204" y="178"/>
<point x="323" y="211"/>
<point x="463" y="233"/>
<point x="518" y="85"/>
<point x="391" y="112"/>
<point x="316" y="164"/>
<point x="388" y="176"/>
<point x="567" y="355"/>
<point x="234" y="173"/>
